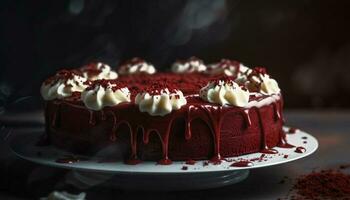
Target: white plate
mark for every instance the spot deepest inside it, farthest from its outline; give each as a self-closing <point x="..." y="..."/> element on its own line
<point x="142" y="176"/>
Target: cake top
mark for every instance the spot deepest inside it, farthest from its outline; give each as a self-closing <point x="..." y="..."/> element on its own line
<point x="225" y="83"/>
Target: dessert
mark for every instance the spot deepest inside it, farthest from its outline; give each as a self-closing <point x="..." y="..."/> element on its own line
<point x="194" y="112"/>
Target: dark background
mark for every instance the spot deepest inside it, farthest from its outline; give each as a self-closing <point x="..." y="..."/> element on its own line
<point x="304" y="44"/>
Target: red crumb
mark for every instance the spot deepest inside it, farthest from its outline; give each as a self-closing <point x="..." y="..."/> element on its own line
<point x="326" y="184"/>
<point x="62" y="75"/>
<point x="190" y="162"/>
<point x="105" y="83"/>
<point x="292" y="130"/>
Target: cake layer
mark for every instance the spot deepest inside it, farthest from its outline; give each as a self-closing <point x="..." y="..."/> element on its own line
<point x="198" y="130"/>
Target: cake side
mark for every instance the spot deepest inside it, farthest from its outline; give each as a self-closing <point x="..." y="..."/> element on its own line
<point x="79" y="130"/>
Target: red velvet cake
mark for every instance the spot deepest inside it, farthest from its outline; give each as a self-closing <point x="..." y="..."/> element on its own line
<point x="195" y="112"/>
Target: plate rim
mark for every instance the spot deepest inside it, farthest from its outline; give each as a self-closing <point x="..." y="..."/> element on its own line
<point x="181" y="163"/>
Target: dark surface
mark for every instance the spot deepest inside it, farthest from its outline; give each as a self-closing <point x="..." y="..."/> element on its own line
<point x="304" y="44"/>
<point x="22" y="179"/>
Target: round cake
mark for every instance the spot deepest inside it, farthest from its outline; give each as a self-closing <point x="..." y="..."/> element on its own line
<point x="194" y="112"/>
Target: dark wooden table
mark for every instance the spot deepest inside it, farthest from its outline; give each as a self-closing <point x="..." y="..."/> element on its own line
<point x="21" y="179"/>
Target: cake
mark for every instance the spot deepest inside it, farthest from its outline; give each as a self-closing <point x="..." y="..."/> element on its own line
<point x="194" y="112"/>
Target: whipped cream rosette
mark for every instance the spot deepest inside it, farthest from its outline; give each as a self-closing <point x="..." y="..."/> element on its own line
<point x="63" y="84"/>
<point x="159" y="102"/>
<point x="225" y="92"/>
<point x="136" y="66"/>
<point x="191" y="65"/>
<point x="260" y="81"/>
<point x="104" y="93"/>
<point x="97" y="71"/>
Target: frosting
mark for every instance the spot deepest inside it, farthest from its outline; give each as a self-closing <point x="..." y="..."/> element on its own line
<point x="62" y="85"/>
<point x="160" y="102"/>
<point x="104" y="93"/>
<point x="98" y="71"/>
<point x="259" y="80"/>
<point x="136" y="66"/>
<point x="224" y="92"/>
<point x="242" y="76"/>
<point x="191" y="65"/>
<point x="225" y="67"/>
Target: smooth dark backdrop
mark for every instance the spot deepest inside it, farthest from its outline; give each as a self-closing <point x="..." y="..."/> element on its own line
<point x="304" y="44"/>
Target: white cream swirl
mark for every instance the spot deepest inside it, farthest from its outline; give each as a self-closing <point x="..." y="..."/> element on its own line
<point x="189" y="66"/>
<point x="225" y="93"/>
<point x="60" y="87"/>
<point x="264" y="84"/>
<point x="243" y="73"/>
<point x="269" y="85"/>
<point x="161" y="103"/>
<point x="103" y="72"/>
<point x="137" y="66"/>
<point x="102" y="95"/>
<point x="224" y="67"/>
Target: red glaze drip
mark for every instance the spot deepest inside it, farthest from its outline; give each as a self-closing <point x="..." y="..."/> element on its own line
<point x="276" y="111"/>
<point x="165" y="144"/>
<point x="264" y="148"/>
<point x="103" y="116"/>
<point x="146" y="136"/>
<point x="300" y="150"/>
<point x="242" y="163"/>
<point x="164" y="138"/>
<point x="165" y="161"/>
<point x="190" y="162"/>
<point x="54" y="117"/>
<point x="216" y="160"/>
<point x="269" y="151"/>
<point x="292" y="130"/>
<point x="92" y="119"/>
<point x="113" y="136"/>
<point x="188" y="132"/>
<point x="133" y="135"/>
<point x="283" y="141"/>
<point x="215" y="115"/>
<point x="262" y="157"/>
<point x="132" y="161"/>
<point x="247" y="118"/>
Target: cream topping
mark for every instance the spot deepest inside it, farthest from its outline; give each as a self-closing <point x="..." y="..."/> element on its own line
<point x="161" y="103"/>
<point x="189" y="66"/>
<point x="98" y="71"/>
<point x="136" y="66"/>
<point x="242" y="76"/>
<point x="100" y="96"/>
<point x="61" y="87"/>
<point x="262" y="82"/>
<point x="225" y="67"/>
<point x="224" y="93"/>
